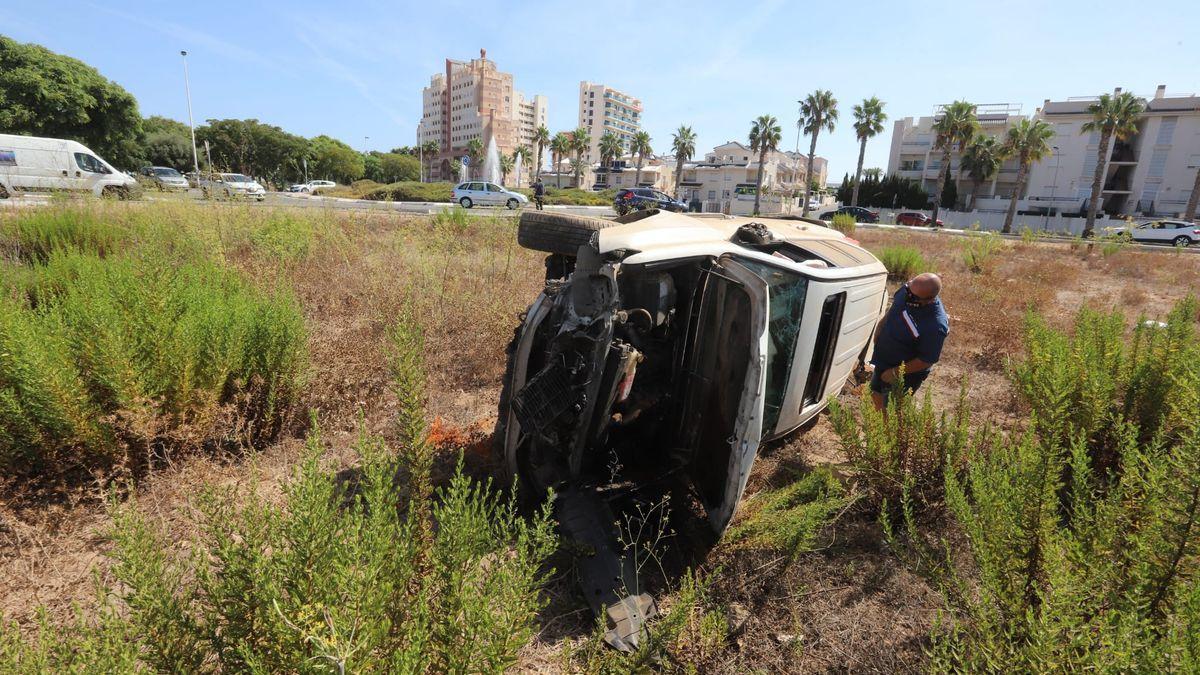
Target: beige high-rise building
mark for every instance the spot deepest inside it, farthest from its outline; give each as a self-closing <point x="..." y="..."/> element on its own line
<point x="602" y="109"/>
<point x="473" y="99"/>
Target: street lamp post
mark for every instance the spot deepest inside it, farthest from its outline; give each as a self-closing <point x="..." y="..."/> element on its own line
<point x="187" y="87"/>
<point x="1053" y="186"/>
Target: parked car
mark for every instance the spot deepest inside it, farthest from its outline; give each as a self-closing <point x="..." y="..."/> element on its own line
<point x="663" y="351"/>
<point x="915" y="219"/>
<point x="165" y="178"/>
<point x="1173" y="232"/>
<point x="860" y="214"/>
<point x="299" y="187"/>
<point x="314" y="185"/>
<point x="30" y="164"/>
<point x="636" y="199"/>
<point x="232" y="185"/>
<point x="482" y="193"/>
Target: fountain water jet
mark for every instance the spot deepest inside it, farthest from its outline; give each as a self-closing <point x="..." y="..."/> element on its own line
<point x="490" y="171"/>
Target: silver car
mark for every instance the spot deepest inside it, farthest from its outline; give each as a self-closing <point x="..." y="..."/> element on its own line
<point x="483" y="193"/>
<point x="165" y="178"/>
<point x="232" y="185"/>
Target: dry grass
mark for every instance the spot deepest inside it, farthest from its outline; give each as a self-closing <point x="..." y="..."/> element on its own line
<point x="850" y="605"/>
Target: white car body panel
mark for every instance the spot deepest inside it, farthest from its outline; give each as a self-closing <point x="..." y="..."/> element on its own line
<point x="31" y="164"/>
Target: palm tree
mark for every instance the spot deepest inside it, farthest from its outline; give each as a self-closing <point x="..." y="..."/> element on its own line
<point x="765" y="135"/>
<point x="982" y="159"/>
<point x="475" y="152"/>
<point x="610" y="149"/>
<point x="560" y="145"/>
<point x="868" y="121"/>
<point x="1029" y="141"/>
<point x="541" y="137"/>
<point x="1113" y="115"/>
<point x="955" y="127"/>
<point x="519" y="153"/>
<point x="429" y="151"/>
<point x="580" y="140"/>
<point x="683" y="143"/>
<point x="507" y="164"/>
<point x="1189" y="214"/>
<point x="640" y="146"/>
<point x="818" y="111"/>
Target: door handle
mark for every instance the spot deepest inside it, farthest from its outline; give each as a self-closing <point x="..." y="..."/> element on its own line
<point x="78" y="174"/>
<point x="64" y="172"/>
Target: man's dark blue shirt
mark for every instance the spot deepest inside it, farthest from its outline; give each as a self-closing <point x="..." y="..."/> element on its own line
<point x="911" y="332"/>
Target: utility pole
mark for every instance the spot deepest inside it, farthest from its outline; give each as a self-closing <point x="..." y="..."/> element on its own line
<point x="187" y="87"/>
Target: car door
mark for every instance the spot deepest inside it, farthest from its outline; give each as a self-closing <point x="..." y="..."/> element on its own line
<point x="88" y="172"/>
<point x="496" y="195"/>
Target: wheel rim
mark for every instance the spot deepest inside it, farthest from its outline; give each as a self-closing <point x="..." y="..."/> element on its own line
<point x="465" y="203"/>
<point x="512" y="203"/>
<point x="1182" y="241"/>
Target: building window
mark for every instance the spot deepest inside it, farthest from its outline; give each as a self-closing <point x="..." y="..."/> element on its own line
<point x="712" y="194"/>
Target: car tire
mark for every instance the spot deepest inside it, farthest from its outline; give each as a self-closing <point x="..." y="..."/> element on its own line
<point x="512" y="204"/>
<point x="465" y="202"/>
<point x="1182" y="240"/>
<point x="114" y="192"/>
<point x="557" y="232"/>
<point x="3" y="192"/>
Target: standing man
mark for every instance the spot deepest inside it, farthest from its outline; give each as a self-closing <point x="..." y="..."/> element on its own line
<point x="539" y="193"/>
<point x="910" y="333"/>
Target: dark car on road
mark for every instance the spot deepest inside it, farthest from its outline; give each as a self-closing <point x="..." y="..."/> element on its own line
<point x="636" y="199"/>
<point x="860" y="214"/>
<point x="916" y="219"/>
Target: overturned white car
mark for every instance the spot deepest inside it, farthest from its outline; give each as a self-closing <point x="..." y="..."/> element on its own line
<point x="667" y="347"/>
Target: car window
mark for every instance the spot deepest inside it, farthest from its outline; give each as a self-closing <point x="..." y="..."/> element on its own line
<point x="89" y="163"/>
<point x="463" y="186"/>
<point x="492" y="187"/>
<point x="786" y="292"/>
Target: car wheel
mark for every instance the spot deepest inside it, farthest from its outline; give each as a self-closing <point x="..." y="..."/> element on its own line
<point x="227" y="195"/>
<point x="1183" y="240"/>
<point x="465" y="202"/>
<point x="3" y="192"/>
<point x="512" y="204"/>
<point x="113" y="192"/>
<point x="557" y="232"/>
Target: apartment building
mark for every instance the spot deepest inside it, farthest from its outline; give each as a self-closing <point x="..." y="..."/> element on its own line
<point x="1149" y="174"/>
<point x="475" y="100"/>
<point x="603" y="109"/>
<point x="913" y="156"/>
<point x="724" y="180"/>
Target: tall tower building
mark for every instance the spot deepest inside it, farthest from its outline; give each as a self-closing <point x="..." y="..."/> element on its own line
<point x="602" y="109"/>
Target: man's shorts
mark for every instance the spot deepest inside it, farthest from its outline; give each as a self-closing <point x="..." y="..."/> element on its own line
<point x="912" y="381"/>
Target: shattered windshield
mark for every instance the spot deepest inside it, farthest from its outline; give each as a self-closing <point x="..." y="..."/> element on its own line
<point x="785" y="292"/>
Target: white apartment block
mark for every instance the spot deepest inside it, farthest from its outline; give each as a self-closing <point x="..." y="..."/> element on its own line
<point x="474" y="100"/>
<point x="602" y="109"/>
<point x="1148" y="174"/>
<point x="726" y="176"/>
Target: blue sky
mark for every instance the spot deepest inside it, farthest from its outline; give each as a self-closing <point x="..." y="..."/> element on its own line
<point x="354" y="70"/>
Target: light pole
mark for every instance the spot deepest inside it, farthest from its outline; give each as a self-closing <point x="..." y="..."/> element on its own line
<point x="187" y="87"/>
<point x="1053" y="186"/>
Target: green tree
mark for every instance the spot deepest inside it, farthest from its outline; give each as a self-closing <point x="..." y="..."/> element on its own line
<point x="683" y="144"/>
<point x="610" y="149"/>
<point x="47" y="94"/>
<point x="396" y="167"/>
<point x="560" y="145"/>
<point x="336" y="161"/>
<point x="640" y="146"/>
<point x="580" y="139"/>
<point x="949" y="193"/>
<point x="429" y="152"/>
<point x="1028" y="141"/>
<point x="519" y="154"/>
<point x="166" y="142"/>
<point x="1113" y="116"/>
<point x="475" y="152"/>
<point x="955" y="126"/>
<point x="541" y="138"/>
<point x="982" y="159"/>
<point x="765" y="135"/>
<point x="373" y="166"/>
<point x="868" y="122"/>
<point x="818" y="111"/>
<point x="506" y="166"/>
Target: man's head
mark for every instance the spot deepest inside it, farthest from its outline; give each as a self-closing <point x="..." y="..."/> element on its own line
<point x="923" y="289"/>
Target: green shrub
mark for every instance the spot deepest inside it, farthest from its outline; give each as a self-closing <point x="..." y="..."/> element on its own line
<point x="336" y="576"/>
<point x="573" y="196"/>
<point x="902" y="262"/>
<point x="790" y="518"/>
<point x="844" y="223"/>
<point x="980" y="250"/>
<point x="412" y="191"/>
<point x="35" y="234"/>
<point x="104" y="356"/>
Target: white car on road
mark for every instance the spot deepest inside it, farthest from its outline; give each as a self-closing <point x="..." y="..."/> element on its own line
<point x="314" y="185"/>
<point x="483" y="193"/>
<point x="1173" y="232"/>
<point x="29" y="164"/>
<point x="232" y="185"/>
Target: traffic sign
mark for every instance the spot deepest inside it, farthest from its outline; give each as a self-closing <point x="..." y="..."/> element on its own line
<point x="466" y="160"/>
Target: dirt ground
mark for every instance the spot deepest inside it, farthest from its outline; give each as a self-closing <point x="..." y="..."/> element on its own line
<point x="848" y="607"/>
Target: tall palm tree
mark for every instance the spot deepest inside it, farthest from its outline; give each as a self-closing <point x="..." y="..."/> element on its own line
<point x="580" y="140"/>
<point x="560" y="145"/>
<point x="868" y="122"/>
<point x="475" y="152"/>
<point x="1029" y="141"/>
<point x="982" y="159"/>
<point x="429" y="151"/>
<point x="541" y="137"/>
<point x="818" y="111"/>
<point x="683" y="143"/>
<point x="765" y="135"/>
<point x="507" y="164"/>
<point x="955" y="127"/>
<point x="520" y="154"/>
<point x="1114" y="115"/>
<point x="610" y="149"/>
<point x="640" y="146"/>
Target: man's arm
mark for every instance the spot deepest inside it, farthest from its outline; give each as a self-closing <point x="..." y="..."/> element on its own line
<point x="910" y="366"/>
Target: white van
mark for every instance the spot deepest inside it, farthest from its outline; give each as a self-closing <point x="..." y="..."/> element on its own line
<point x="29" y="164"/>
